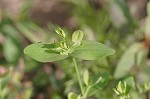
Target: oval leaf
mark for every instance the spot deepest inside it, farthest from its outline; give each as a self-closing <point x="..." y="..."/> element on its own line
<point x="72" y="95"/>
<point x="86" y="77"/>
<point x="42" y="53"/>
<point x="130" y="58"/>
<point x="90" y="50"/>
<point x="77" y="36"/>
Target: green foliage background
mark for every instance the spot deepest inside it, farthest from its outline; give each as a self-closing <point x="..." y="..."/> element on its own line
<point x="112" y="22"/>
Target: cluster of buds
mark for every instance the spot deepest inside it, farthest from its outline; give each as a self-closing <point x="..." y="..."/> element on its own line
<point x="63" y="47"/>
<point x="144" y="87"/>
<point x="122" y="90"/>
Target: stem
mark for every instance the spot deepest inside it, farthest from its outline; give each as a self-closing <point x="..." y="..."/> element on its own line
<point x="86" y="92"/>
<point x="79" y="79"/>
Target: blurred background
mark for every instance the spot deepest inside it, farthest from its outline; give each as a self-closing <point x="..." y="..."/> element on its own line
<point x="123" y="25"/>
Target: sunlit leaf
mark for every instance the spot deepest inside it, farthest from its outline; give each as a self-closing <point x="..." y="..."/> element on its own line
<point x="72" y="95"/>
<point x="90" y="50"/>
<point x="77" y="37"/>
<point x="86" y="77"/>
<point x="42" y="53"/>
<point x="60" y="32"/>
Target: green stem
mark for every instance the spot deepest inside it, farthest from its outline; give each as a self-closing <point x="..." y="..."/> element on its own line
<point x="79" y="79"/>
<point x="86" y="92"/>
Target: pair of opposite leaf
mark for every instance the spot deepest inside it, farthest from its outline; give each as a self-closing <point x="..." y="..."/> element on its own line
<point x="78" y="48"/>
<point x="88" y="86"/>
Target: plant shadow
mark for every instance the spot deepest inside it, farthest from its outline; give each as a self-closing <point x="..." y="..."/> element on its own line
<point x="49" y="48"/>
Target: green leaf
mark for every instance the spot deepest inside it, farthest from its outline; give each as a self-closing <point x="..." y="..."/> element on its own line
<point x="116" y="91"/>
<point x="77" y="37"/>
<point x="129" y="59"/>
<point x="11" y="51"/>
<point x="92" y="91"/>
<point x="122" y="90"/>
<point x="11" y="32"/>
<point x="130" y="84"/>
<point x="125" y="10"/>
<point x="5" y="78"/>
<point x="33" y="32"/>
<point x="12" y="46"/>
<point x="72" y="95"/>
<point x="90" y="50"/>
<point x="99" y="82"/>
<point x="141" y="56"/>
<point x="86" y="77"/>
<point x="42" y="53"/>
<point x="130" y="81"/>
<point x="5" y="92"/>
<point x="60" y="32"/>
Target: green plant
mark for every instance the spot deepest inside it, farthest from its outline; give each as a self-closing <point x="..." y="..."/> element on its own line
<point x="78" y="48"/>
<point x="4" y="80"/>
<point x="143" y="88"/>
<point x="122" y="90"/>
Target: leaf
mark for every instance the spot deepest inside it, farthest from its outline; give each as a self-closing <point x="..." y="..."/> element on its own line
<point x="92" y="91"/>
<point x="86" y="77"/>
<point x="128" y="60"/>
<point x="12" y="45"/>
<point x="33" y="33"/>
<point x="125" y="10"/>
<point x="120" y="86"/>
<point x="11" y="51"/>
<point x="116" y="91"/>
<point x="11" y="32"/>
<point x="77" y="37"/>
<point x="90" y="50"/>
<point x="42" y="53"/>
<point x="130" y="81"/>
<point x="99" y="81"/>
<point x="60" y="32"/>
<point x="72" y="95"/>
<point x="141" y="56"/>
<point x="5" y="78"/>
<point x="5" y="92"/>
